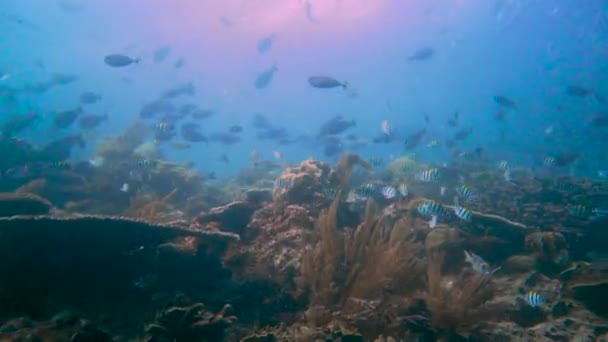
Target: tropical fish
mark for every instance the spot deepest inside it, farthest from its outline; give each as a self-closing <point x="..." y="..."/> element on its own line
<point x="265" y="43"/>
<point x="534" y="298"/>
<point x="264" y="79"/>
<point x="478" y="264"/>
<point x="403" y="190"/>
<point x="505" y="102"/>
<point x="422" y="54"/>
<point x="389" y="192"/>
<point x="325" y="82"/>
<point x="376" y="161"/>
<point x="118" y="60"/>
<point x="429" y="175"/>
<point x="386" y="128"/>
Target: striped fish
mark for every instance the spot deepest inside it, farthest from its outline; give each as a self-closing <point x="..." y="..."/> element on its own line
<point x="431" y="208"/>
<point x="507" y="176"/>
<point x="283" y="183"/>
<point x="386" y="127"/>
<point x="366" y="190"/>
<point x="587" y="212"/>
<point x="429" y="175"/>
<point x="534" y="298"/>
<point x="463" y="213"/>
<point x="549" y="162"/>
<point x="403" y="190"/>
<point x="504" y="165"/>
<point x="389" y="192"/>
<point x="376" y="161"/>
<point x="466" y="193"/>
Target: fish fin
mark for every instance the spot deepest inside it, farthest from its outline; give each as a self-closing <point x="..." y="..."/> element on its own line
<point x="433" y="222"/>
<point x="467" y="256"/>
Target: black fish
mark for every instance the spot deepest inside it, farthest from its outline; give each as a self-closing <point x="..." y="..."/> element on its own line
<point x="463" y="134"/>
<point x="164" y="131"/>
<point x="325" y="82"/>
<point x="151" y="109"/>
<point x="201" y="114"/>
<point x="190" y="132"/>
<point x="264" y="79"/>
<point x="265" y="43"/>
<point x="261" y="122"/>
<point x="565" y="159"/>
<point x="91" y="121"/>
<point x="414" y="139"/>
<point x="18" y="123"/>
<point x="453" y="122"/>
<point x="161" y="54"/>
<point x="236" y="129"/>
<point x="89" y="97"/>
<point x="118" y="60"/>
<point x="61" y="149"/>
<point x="66" y="118"/>
<point x="578" y="91"/>
<point x="224" y="138"/>
<point x="277" y="134"/>
<point x="336" y="125"/>
<point x="599" y="120"/>
<point x="504" y="101"/>
<point x="184" y="89"/>
<point x="63" y="79"/>
<point x="422" y="54"/>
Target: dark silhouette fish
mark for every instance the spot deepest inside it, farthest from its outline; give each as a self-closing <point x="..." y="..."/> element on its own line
<point x="325" y="82"/>
<point x="565" y="159"/>
<point x="598" y="120"/>
<point x="578" y="91"/>
<point x="190" y="132"/>
<point x="66" y="118"/>
<point x="505" y="102"/>
<point x="180" y="63"/>
<point x="89" y="97"/>
<point x="184" y="89"/>
<point x="18" y="123"/>
<point x="236" y="129"/>
<point x="261" y="122"/>
<point x="201" y="114"/>
<point x="118" y="60"/>
<point x="151" y="109"/>
<point x="91" y="121"/>
<point x="335" y="125"/>
<point x="422" y="54"/>
<point x="265" y="78"/>
<point x="224" y="138"/>
<point x="414" y="139"/>
<point x="265" y="44"/>
<point x="161" y="54"/>
<point x="61" y="149"/>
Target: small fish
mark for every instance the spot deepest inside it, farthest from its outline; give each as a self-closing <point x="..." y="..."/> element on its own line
<point x="179" y="63"/>
<point x="534" y="298"/>
<point x="236" y="129"/>
<point x="431" y="208"/>
<point x="254" y="155"/>
<point x="478" y="264"/>
<point x="266" y="43"/>
<point x="549" y="130"/>
<point x="180" y="145"/>
<point x="164" y="126"/>
<point x="283" y="183"/>
<point x="161" y="53"/>
<point x="463" y="213"/>
<point x="118" y="60"/>
<point x="325" y="82"/>
<point x="442" y="191"/>
<point x="97" y="161"/>
<point x="602" y="173"/>
<point x="366" y="190"/>
<point x="429" y="175"/>
<point x="403" y="190"/>
<point x="264" y="78"/>
<point x="507" y="176"/>
<point x="503" y="165"/>
<point x="89" y="97"/>
<point x="422" y="54"/>
<point x="578" y="91"/>
<point x="505" y="102"/>
<point x="91" y="121"/>
<point x="549" y="161"/>
<point x="124" y="187"/>
<point x="587" y="212"/>
<point x="389" y="192"/>
<point x="466" y="193"/>
<point x="66" y="118"/>
<point x="4" y="77"/>
<point x="386" y="127"/>
<point x="330" y="192"/>
<point x="376" y="161"/>
<point x="433" y="143"/>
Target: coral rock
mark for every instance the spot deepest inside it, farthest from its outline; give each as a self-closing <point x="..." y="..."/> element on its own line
<point x="232" y="217"/>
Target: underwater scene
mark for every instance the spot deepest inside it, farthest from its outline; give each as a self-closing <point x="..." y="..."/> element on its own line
<point x="303" y="170"/>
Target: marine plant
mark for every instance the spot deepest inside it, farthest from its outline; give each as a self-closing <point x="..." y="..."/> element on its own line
<point x="454" y="302"/>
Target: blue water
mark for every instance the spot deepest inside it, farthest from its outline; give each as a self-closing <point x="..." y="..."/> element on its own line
<point x="526" y="50"/>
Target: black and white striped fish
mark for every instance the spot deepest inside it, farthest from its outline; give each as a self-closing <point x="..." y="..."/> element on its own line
<point x="429" y="175"/>
<point x="389" y="192"/>
<point x="466" y="193"/>
<point x="535" y="299"/>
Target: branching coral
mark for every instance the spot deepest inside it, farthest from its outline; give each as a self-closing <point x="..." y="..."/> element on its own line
<point x="454" y="302"/>
<point x="347" y="268"/>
